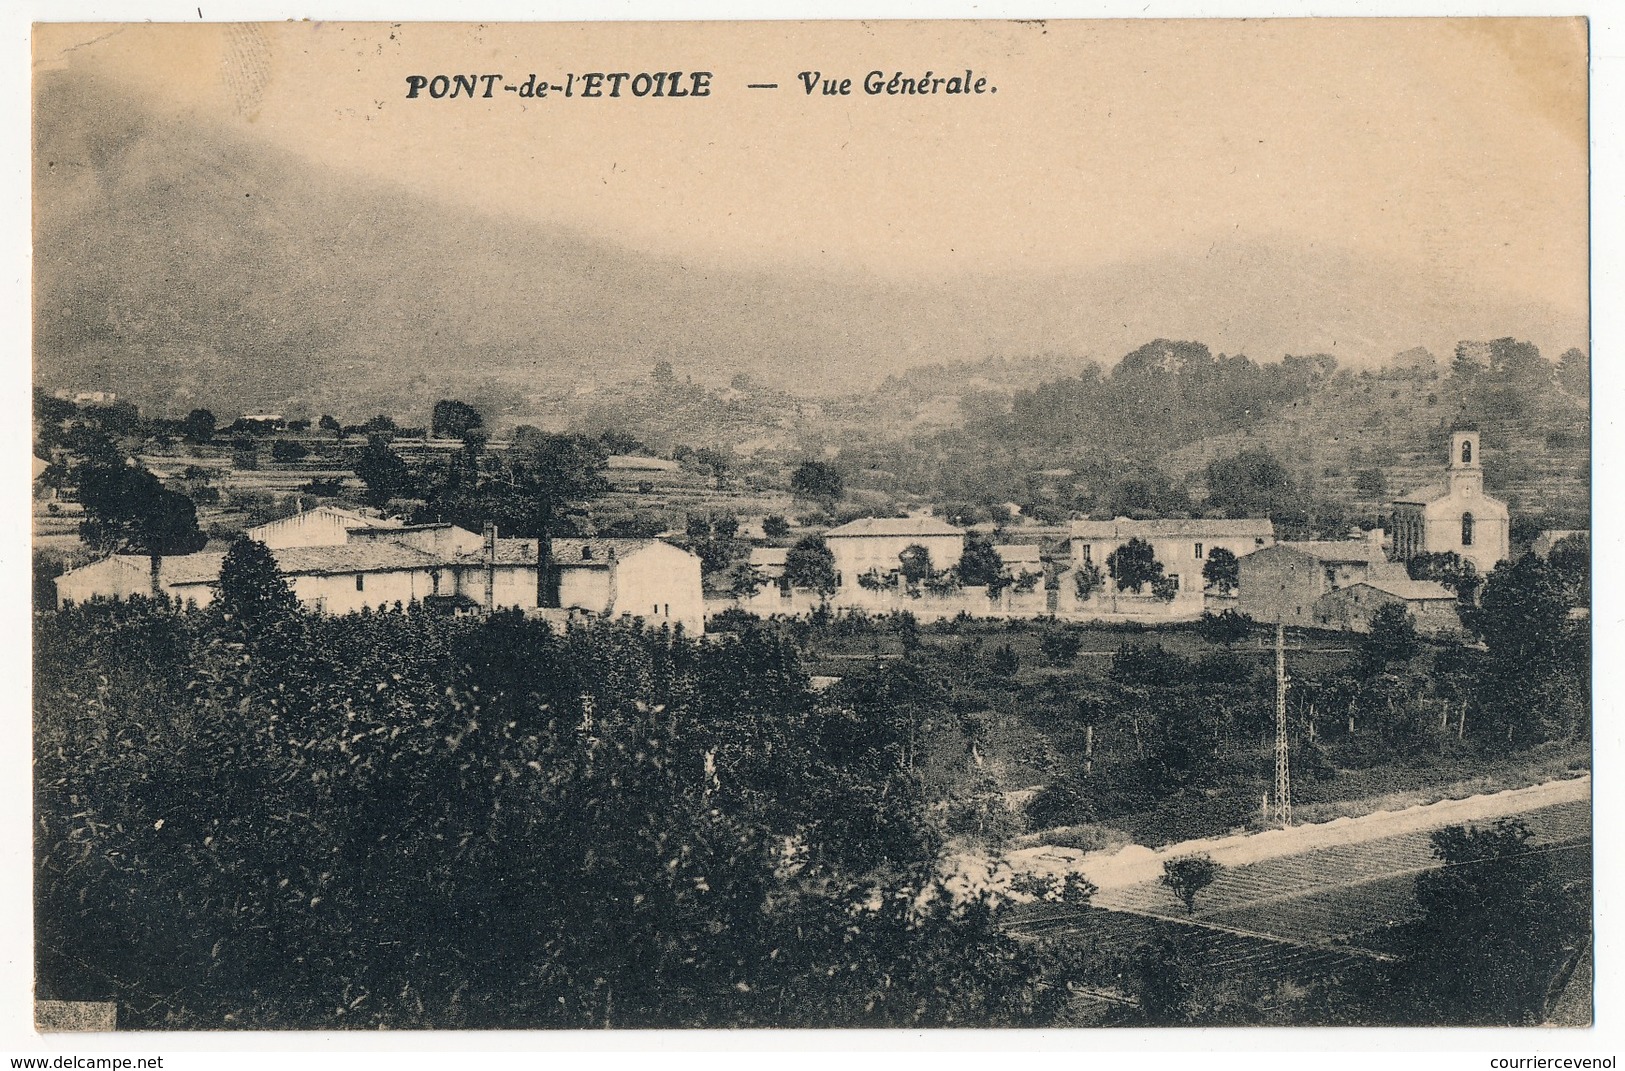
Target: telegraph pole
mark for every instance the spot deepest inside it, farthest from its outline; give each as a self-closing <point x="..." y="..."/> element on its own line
<point x="1283" y="769"/>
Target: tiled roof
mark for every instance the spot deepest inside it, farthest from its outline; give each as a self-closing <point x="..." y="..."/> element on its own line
<point x="508" y="552"/>
<point x="593" y="553"/>
<point x="1410" y="589"/>
<point x="369" y="557"/>
<point x="895" y="526"/>
<point x="1428" y="492"/>
<point x="1340" y="550"/>
<point x="201" y="568"/>
<point x="1179" y="527"/>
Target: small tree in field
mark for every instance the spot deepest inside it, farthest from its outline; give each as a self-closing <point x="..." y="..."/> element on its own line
<point x="1187" y="876"/>
<point x="1226" y="627"/>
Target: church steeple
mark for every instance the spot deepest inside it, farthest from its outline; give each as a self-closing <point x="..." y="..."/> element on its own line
<point x="1466" y="466"/>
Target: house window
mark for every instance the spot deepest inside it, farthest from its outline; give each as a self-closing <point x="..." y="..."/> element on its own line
<point x="1466" y="529"/>
<point x="360" y="582"/>
<point x="1258" y="541"/>
<point x="1087" y="555"/>
<point x="1467" y="451"/>
<point x="668" y="609"/>
<point x="1199" y="551"/>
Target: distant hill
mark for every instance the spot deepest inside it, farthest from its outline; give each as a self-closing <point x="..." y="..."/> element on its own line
<point x="182" y="265"/>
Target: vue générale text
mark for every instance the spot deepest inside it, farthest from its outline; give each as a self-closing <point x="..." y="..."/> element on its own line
<point x="680" y="85"/>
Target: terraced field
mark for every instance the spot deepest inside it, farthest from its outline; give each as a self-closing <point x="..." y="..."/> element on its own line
<point x="1333" y="894"/>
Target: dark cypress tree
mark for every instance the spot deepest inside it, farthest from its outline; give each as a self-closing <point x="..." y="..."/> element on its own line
<point x="252" y="587"/>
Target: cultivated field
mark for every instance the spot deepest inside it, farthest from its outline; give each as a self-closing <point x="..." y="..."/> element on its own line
<point x="1335" y="894"/>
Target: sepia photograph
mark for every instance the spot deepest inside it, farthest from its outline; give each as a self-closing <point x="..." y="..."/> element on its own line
<point x="901" y="525"/>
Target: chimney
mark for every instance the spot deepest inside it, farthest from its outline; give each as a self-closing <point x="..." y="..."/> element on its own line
<point x="490" y="566"/>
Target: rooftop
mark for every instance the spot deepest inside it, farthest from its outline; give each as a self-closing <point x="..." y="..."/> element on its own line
<point x="895" y="526"/>
<point x="1339" y="550"/>
<point x="1125" y="528"/>
<point x="1410" y="589"/>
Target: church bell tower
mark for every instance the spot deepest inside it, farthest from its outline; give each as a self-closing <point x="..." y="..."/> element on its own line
<point x="1466" y="468"/>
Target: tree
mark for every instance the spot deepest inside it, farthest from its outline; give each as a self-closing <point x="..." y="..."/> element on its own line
<point x="1163" y="971"/>
<point x="1522" y="614"/>
<point x="128" y="511"/>
<point x="1370" y="483"/>
<point x="1226" y="627"/>
<point x="725" y="527"/>
<point x="1253" y="483"/>
<point x="199" y="425"/>
<point x="1450" y="569"/>
<point x="811" y="565"/>
<point x="287" y="450"/>
<point x="1570" y="559"/>
<point x="775" y="527"/>
<point x="1574" y="372"/>
<point x="452" y="419"/>
<point x="529" y="492"/>
<point x="1060" y="646"/>
<point x="1188" y="875"/>
<point x="384" y="473"/>
<point x="330" y="423"/>
<point x="1134" y="565"/>
<point x="1222" y="570"/>
<point x="817" y="480"/>
<point x="1495" y="922"/>
<point x="1086" y="580"/>
<point x="252" y="587"/>
<point x="914" y="562"/>
<point x="1391" y="638"/>
<point x="979" y="564"/>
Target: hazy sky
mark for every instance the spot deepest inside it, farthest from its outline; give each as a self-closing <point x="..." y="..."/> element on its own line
<point x="1452" y="143"/>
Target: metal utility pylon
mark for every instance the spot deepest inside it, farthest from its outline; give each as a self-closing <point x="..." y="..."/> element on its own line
<point x="1283" y="768"/>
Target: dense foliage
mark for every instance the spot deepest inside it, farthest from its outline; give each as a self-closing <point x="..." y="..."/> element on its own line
<point x="409" y="820"/>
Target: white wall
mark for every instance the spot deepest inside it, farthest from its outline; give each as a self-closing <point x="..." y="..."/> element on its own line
<point x="856" y="555"/>
<point x="661" y="584"/>
<point x="314" y="528"/>
<point x="337" y="594"/>
<point x="111" y="578"/>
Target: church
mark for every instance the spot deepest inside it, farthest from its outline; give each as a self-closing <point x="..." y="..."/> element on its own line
<point x="1455" y="515"/>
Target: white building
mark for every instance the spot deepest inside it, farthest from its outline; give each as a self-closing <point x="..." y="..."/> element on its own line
<point x="1182" y="545"/>
<point x="641" y="578"/>
<point x="324" y="526"/>
<point x="1455" y="515"/>
<point x="877" y="543"/>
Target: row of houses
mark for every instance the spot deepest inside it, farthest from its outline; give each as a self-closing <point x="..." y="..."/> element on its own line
<point x="1336" y="584"/>
<point x="340" y="561"/>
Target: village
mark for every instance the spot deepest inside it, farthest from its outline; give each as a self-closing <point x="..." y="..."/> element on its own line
<point x="1083" y="699"/>
<point x="1150" y="570"/>
<point x="1110" y="551"/>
